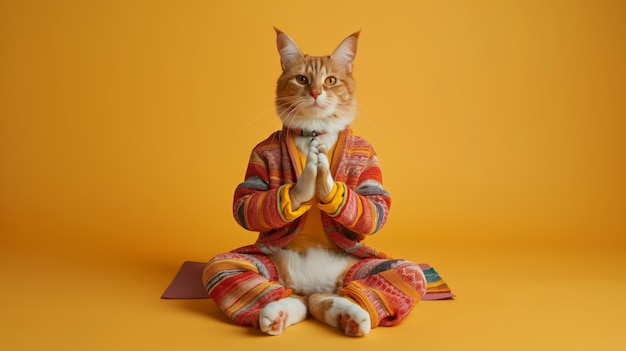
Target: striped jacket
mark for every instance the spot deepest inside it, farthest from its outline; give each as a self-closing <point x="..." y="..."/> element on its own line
<point x="363" y="211"/>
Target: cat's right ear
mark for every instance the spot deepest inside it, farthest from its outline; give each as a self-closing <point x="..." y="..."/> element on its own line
<point x="287" y="49"/>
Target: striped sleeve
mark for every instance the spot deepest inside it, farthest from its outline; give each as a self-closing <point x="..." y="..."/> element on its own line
<point x="256" y="206"/>
<point x="365" y="208"/>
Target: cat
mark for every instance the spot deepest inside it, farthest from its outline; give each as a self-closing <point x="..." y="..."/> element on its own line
<point x="315" y="93"/>
<point x="314" y="191"/>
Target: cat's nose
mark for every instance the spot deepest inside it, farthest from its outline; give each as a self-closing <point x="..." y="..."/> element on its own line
<point x="315" y="93"/>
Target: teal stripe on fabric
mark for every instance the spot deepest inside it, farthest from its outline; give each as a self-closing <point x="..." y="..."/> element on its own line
<point x="353" y="248"/>
<point x="432" y="276"/>
<point x="268" y="250"/>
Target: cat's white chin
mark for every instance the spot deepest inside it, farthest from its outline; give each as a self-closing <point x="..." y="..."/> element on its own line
<point x="317" y="112"/>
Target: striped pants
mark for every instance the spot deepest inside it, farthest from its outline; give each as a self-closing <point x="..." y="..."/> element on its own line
<point x="242" y="284"/>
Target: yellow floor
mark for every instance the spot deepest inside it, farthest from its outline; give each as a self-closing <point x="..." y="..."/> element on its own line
<point x="125" y="126"/>
<point x="508" y="299"/>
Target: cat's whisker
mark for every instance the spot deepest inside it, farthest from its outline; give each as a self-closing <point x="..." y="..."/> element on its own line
<point x="290" y="115"/>
<point x="287" y="97"/>
<point x="365" y="116"/>
<point x="271" y="126"/>
<point x="257" y="117"/>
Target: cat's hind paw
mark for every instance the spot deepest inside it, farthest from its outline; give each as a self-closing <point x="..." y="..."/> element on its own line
<point x="355" y="321"/>
<point x="278" y="315"/>
<point x="340" y="313"/>
<point x="272" y="322"/>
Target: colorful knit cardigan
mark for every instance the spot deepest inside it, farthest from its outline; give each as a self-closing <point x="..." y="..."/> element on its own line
<point x="363" y="211"/>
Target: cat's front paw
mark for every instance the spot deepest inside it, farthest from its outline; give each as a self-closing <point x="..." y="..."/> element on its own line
<point x="324" y="181"/>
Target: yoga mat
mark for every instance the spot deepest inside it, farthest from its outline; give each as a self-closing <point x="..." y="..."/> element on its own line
<point x="187" y="284"/>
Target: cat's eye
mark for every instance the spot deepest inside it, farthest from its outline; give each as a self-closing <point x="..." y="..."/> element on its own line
<point x="330" y="80"/>
<point x="302" y="79"/>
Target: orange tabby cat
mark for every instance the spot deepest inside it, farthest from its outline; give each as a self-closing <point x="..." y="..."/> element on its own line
<point x="315" y="94"/>
<point x="313" y="191"/>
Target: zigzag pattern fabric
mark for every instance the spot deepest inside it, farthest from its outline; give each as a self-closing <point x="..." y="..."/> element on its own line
<point x="387" y="289"/>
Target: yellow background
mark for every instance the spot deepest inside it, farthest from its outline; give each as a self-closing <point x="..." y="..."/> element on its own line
<point x="126" y="125"/>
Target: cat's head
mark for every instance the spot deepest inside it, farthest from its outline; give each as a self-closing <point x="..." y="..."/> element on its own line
<point x="316" y="93"/>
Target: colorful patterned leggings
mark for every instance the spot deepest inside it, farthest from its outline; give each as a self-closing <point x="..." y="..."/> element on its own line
<point x="242" y="284"/>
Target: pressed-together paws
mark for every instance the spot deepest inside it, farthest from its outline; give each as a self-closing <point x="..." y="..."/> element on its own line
<point x="324" y="181"/>
<point x="315" y="180"/>
<point x="304" y="190"/>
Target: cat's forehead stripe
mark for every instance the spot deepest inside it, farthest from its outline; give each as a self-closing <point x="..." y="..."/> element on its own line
<point x="316" y="64"/>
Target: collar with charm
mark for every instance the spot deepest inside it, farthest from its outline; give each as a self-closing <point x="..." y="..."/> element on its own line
<point x="307" y="133"/>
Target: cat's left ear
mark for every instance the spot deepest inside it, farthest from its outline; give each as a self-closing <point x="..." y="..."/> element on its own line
<point x="346" y="51"/>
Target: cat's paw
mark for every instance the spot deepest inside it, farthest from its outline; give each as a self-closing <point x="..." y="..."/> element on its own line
<point x="324" y="181"/>
<point x="340" y="313"/>
<point x="312" y="158"/>
<point x="304" y="190"/>
<point x="355" y="321"/>
<point x="272" y="319"/>
<point x="278" y="315"/>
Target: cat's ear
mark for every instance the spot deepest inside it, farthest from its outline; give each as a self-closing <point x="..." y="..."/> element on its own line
<point x="287" y="48"/>
<point x="346" y="51"/>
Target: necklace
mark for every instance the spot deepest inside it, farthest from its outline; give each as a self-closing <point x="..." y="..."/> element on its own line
<point x="306" y="133"/>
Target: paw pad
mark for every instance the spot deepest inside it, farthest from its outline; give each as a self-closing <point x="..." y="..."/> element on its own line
<point x="352" y="327"/>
